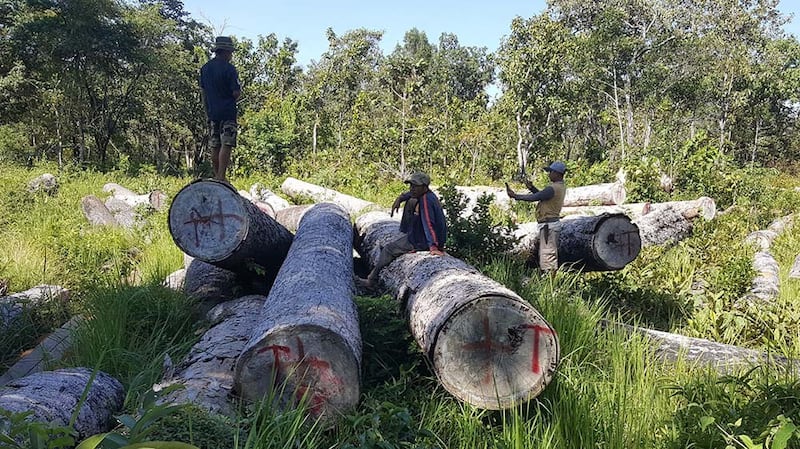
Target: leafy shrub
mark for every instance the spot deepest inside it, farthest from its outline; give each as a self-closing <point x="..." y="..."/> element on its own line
<point x="643" y="180"/>
<point x="474" y="236"/>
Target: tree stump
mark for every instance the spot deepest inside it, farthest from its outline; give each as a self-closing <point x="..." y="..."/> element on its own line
<point x="206" y="373"/>
<point x="308" y="343"/>
<point x="52" y="397"/>
<point x="210" y="221"/>
<point x="487" y="346"/>
<point x="604" y="243"/>
<point x="96" y="212"/>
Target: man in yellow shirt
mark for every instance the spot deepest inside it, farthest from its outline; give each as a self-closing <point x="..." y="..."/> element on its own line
<point x="548" y="213"/>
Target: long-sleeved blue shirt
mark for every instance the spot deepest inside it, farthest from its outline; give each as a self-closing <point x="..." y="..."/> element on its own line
<point x="429" y="227"/>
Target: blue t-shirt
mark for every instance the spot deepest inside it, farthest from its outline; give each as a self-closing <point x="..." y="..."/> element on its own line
<point x="219" y="80"/>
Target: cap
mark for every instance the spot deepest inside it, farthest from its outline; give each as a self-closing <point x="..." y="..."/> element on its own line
<point x="223" y="43"/>
<point x="419" y="179"/>
<point x="557" y="167"/>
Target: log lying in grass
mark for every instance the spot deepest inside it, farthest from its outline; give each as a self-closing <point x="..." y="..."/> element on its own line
<point x="96" y="212"/>
<point x="766" y="284"/>
<point x="176" y="280"/>
<point x="604" y="243"/>
<point x="723" y="358"/>
<point x="703" y="207"/>
<point x="487" y="345"/>
<point x="266" y="196"/>
<point x="608" y="193"/>
<point x="663" y="226"/>
<point x="210" y="221"/>
<point x="45" y="182"/>
<point x="53" y="396"/>
<point x="300" y="190"/>
<point x="156" y="199"/>
<point x="48" y="351"/>
<point x="794" y="273"/>
<point x="11" y="306"/>
<point x="211" y="285"/>
<point x="308" y="342"/>
<point x="206" y="373"/>
<point x="290" y="217"/>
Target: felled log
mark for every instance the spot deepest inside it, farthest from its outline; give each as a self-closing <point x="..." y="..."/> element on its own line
<point x="766" y="285"/>
<point x="45" y="182"/>
<point x="663" y="226"/>
<point x="604" y="243"/>
<point x="210" y="221"/>
<point x="96" y="211"/>
<point x="300" y="190"/>
<point x="487" y="346"/>
<point x="11" y="306"/>
<point x="211" y="285"/>
<point x="117" y="190"/>
<point x="290" y="217"/>
<point x="608" y="193"/>
<point x="704" y="207"/>
<point x="53" y="396"/>
<point x="49" y="351"/>
<point x="264" y="195"/>
<point x="206" y="373"/>
<point x="721" y="357"/>
<point x="794" y="273"/>
<point x="308" y="343"/>
<point x="176" y="280"/>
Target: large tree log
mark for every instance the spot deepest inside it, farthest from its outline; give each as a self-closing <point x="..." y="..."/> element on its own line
<point x="52" y="397"/>
<point x="721" y="357"/>
<point x="300" y="190"/>
<point x="663" y="226"/>
<point x="206" y="373"/>
<point x="604" y="243"/>
<point x="290" y="217"/>
<point x="210" y="221"/>
<point x="96" y="212"/>
<point x="308" y="342"/>
<point x="11" y="306"/>
<point x="266" y="196"/>
<point x="45" y="182"/>
<point x="766" y="284"/>
<point x="704" y="207"/>
<point x="794" y="273"/>
<point x="211" y="285"/>
<point x="608" y="193"/>
<point x="49" y="351"/>
<point x="487" y="345"/>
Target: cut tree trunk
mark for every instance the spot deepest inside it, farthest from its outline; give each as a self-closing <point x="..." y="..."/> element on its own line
<point x="96" y="212"/>
<point x="50" y="351"/>
<point x="598" y="194"/>
<point x="308" y="343"/>
<point x="663" y="226"/>
<point x="45" y="182"/>
<point x="53" y="396"/>
<point x="211" y="285"/>
<point x="487" y="346"/>
<point x="11" y="306"/>
<point x="725" y="359"/>
<point x="290" y="217"/>
<point x="300" y="190"/>
<point x="117" y="190"/>
<point x="206" y="373"/>
<point x="766" y="284"/>
<point x="704" y="207"/>
<point x="604" y="243"/>
<point x="210" y="221"/>
<point x="794" y="273"/>
<point x="264" y="195"/>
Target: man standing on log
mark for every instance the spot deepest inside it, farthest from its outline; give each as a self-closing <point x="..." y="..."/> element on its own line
<point x="423" y="226"/>
<point x="219" y="82"/>
<point x="548" y="212"/>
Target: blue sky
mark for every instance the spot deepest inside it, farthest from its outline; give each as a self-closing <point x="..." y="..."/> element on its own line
<point x="476" y="23"/>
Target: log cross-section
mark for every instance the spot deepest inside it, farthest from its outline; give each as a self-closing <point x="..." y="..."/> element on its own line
<point x="488" y="346"/>
<point x="307" y="345"/>
<point x="210" y="221"/>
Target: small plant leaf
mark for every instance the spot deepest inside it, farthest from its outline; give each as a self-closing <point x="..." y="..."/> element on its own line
<point x="92" y="442"/>
<point x="782" y="435"/>
<point x="706" y="421"/>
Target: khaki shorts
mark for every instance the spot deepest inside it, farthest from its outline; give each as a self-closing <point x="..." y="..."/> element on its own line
<point x="548" y="249"/>
<point x="222" y="133"/>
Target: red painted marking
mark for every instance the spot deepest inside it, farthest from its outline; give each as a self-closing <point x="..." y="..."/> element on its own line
<point x="537" y="330"/>
<point x="487" y="346"/>
<point x="196" y="219"/>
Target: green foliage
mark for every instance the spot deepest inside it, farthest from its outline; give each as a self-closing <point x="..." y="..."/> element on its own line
<point x="474" y="236"/>
<point x="14" y="144"/>
<point x="643" y="180"/>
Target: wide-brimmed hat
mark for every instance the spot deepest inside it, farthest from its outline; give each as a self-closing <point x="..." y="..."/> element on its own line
<point x="419" y="179"/>
<point x="223" y="43"/>
<point x="556" y="166"/>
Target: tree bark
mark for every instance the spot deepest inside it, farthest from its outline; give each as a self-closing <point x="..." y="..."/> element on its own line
<point x="607" y="242"/>
<point x="210" y="221"/>
<point x="794" y="273"/>
<point x="264" y="195"/>
<point x="45" y="182"/>
<point x="308" y="342"/>
<point x="487" y="346"/>
<point x="11" y="306"/>
<point x="52" y="397"/>
<point x="211" y="285"/>
<point x="96" y="212"/>
<point x="206" y="373"/>
<point x="704" y="207"/>
<point x="602" y="194"/>
<point x="663" y="226"/>
<point x="290" y="217"/>
<point x="300" y="190"/>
